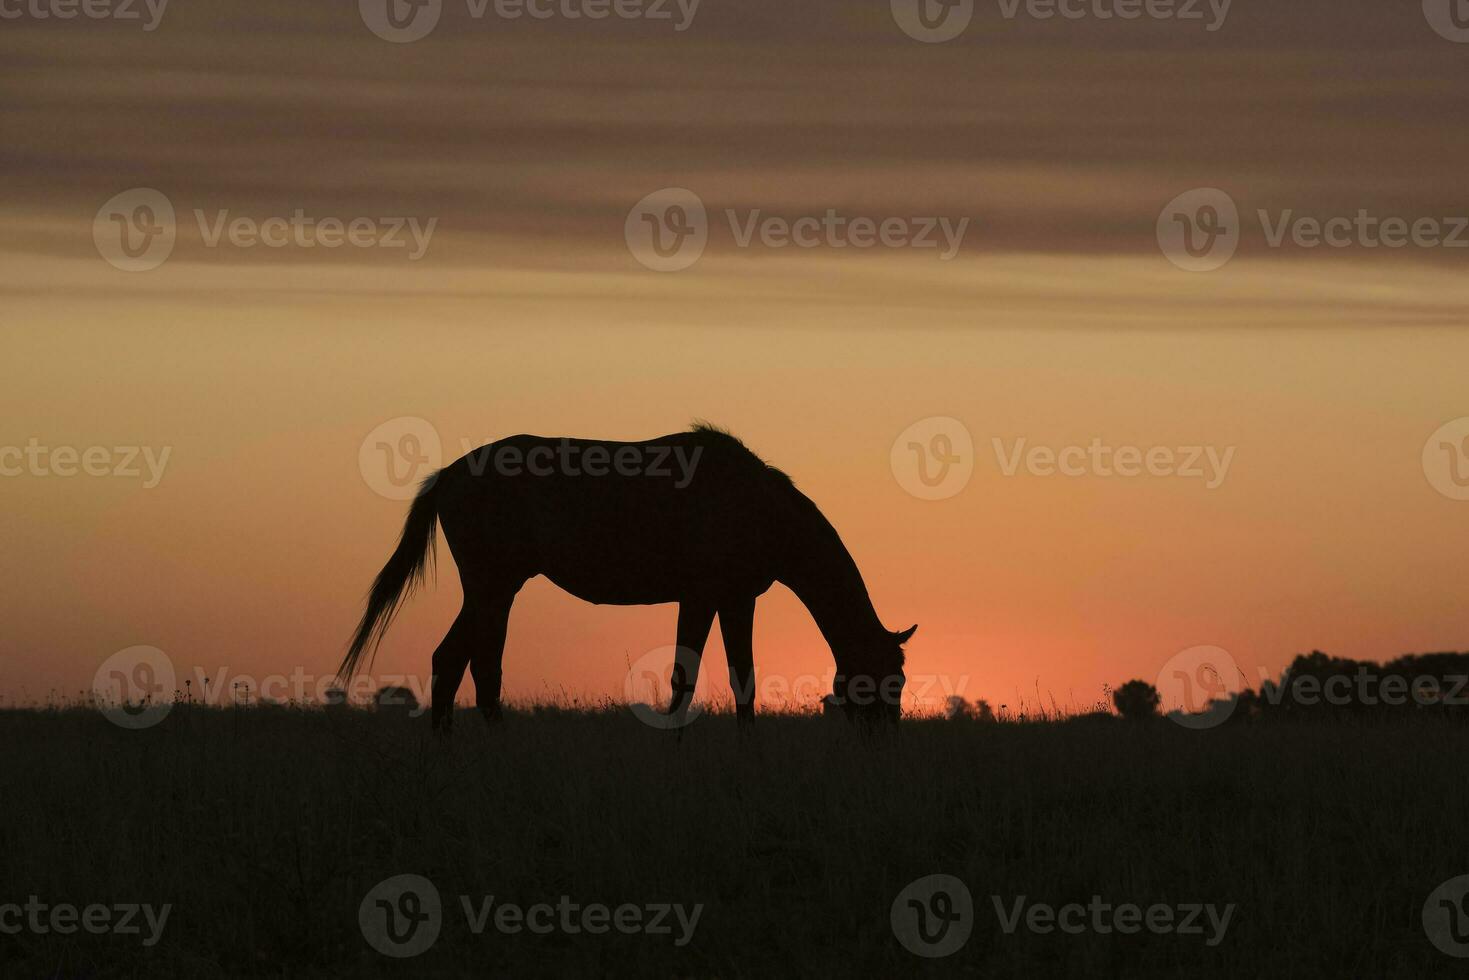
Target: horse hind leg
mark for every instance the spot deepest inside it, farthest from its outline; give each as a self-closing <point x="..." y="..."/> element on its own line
<point x="492" y="618"/>
<point x="449" y="661"/>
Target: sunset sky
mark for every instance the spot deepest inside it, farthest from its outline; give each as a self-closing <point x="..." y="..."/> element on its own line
<point x="262" y="370"/>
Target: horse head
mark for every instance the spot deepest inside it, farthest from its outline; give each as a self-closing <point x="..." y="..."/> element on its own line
<point x="869" y="683"/>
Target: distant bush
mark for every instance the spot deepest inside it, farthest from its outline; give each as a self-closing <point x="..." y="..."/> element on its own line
<point x="958" y="709"/>
<point x="1136" y="700"/>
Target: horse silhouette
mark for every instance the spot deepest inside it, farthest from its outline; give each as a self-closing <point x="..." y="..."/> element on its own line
<point x="694" y="518"/>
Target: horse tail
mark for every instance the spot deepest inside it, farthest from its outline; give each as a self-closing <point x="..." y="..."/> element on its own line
<point x="404" y="572"/>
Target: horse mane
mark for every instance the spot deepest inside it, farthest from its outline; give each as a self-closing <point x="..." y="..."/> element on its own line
<point x="717" y="434"/>
<point x="803" y="508"/>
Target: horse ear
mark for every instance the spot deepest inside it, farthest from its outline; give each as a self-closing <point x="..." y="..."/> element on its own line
<point x="904" y="636"/>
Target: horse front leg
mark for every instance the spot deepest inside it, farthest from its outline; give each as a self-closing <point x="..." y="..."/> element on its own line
<point x="737" y="627"/>
<point x="694" y="621"/>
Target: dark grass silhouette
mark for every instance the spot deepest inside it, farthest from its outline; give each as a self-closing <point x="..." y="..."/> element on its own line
<point x="711" y="533"/>
<point x="265" y="827"/>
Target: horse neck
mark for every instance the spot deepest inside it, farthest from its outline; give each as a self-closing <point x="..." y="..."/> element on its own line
<point x="822" y="574"/>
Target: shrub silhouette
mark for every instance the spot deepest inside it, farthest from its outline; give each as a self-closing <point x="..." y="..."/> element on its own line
<point x="1136" y="700"/>
<point x="958" y="709"/>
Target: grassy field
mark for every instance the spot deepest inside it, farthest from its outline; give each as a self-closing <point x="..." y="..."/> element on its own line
<point x="266" y="828"/>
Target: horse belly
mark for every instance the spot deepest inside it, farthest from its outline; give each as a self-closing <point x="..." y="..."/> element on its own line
<point x="626" y="565"/>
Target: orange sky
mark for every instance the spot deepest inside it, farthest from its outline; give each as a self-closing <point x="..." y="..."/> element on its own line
<point x="1058" y="322"/>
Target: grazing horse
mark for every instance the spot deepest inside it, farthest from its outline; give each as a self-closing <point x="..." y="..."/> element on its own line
<point x="693" y="518"/>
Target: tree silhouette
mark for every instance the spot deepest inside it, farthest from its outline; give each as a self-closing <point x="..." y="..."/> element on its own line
<point x="1136" y="700"/>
